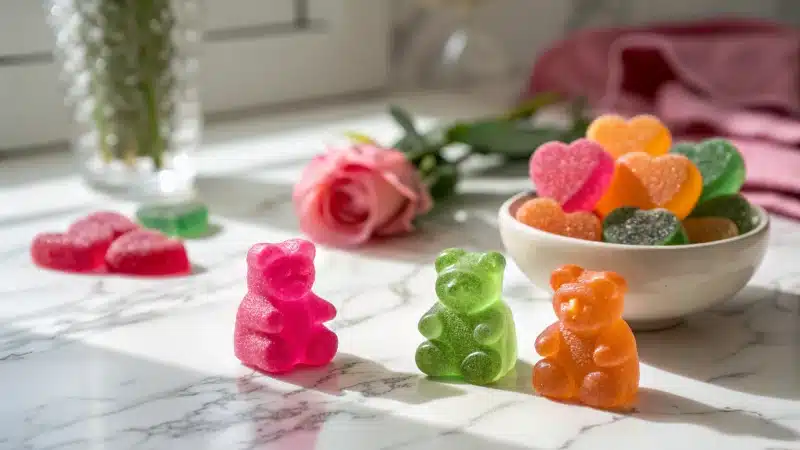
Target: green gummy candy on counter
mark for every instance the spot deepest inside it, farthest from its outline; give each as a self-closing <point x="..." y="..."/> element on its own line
<point x="180" y="219"/>
<point x="470" y="330"/>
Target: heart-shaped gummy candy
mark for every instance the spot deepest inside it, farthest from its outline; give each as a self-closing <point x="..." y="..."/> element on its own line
<point x="546" y="214"/>
<point x="116" y="222"/>
<point x="148" y="253"/>
<point x="642" y="133"/>
<point x="709" y="229"/>
<point x="634" y="226"/>
<point x="574" y="175"/>
<point x="733" y="207"/>
<point x="720" y="163"/>
<point x="188" y="219"/>
<point x="77" y="250"/>
<point x="670" y="182"/>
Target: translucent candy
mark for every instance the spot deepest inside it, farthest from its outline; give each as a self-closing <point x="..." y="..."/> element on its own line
<point x="184" y="219"/>
<point x="546" y="214"/>
<point x="640" y="134"/>
<point x="734" y="207"/>
<point x="72" y="252"/>
<point x="470" y="330"/>
<point x="116" y="222"/>
<point x="720" y="163"/>
<point x="670" y="181"/>
<point x="279" y="324"/>
<point x="634" y="226"/>
<point x="574" y="175"/>
<point x="709" y="229"/>
<point x="589" y="354"/>
<point x="147" y="253"/>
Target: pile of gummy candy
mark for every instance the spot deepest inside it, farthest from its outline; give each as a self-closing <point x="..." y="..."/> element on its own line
<point x="108" y="242"/>
<point x="627" y="184"/>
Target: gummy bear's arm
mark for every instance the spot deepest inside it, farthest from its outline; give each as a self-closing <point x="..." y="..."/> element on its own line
<point x="430" y="325"/>
<point x="489" y="328"/>
<point x="549" y="341"/>
<point x="321" y="309"/>
<point x="258" y="313"/>
<point x="615" y="346"/>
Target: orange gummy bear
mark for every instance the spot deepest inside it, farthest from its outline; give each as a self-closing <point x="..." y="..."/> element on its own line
<point x="709" y="229"/>
<point x="669" y="181"/>
<point x="618" y="136"/>
<point x="590" y="354"/>
<point x="547" y="215"/>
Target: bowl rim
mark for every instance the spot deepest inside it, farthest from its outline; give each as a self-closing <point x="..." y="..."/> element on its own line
<point x="505" y="215"/>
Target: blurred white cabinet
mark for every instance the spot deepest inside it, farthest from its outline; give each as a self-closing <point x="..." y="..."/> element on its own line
<point x="256" y="52"/>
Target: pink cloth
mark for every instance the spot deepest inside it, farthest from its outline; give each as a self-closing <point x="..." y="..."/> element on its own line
<point x="739" y="79"/>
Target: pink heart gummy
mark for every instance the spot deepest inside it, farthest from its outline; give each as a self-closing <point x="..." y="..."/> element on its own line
<point x="575" y="175"/>
<point x="148" y="253"/>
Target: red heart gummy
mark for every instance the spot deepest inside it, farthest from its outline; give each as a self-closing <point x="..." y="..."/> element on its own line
<point x="149" y="253"/>
<point x="82" y="251"/>
<point x="118" y="223"/>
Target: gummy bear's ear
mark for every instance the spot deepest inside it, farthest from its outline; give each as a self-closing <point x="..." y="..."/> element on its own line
<point x="448" y="257"/>
<point x="299" y="246"/>
<point x="260" y="255"/>
<point x="607" y="284"/>
<point x="492" y="261"/>
<point x="565" y="274"/>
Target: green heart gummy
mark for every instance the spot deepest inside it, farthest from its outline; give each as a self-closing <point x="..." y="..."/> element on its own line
<point x="720" y="164"/>
<point x="733" y="207"/>
<point x="182" y="219"/>
<point x="634" y="226"/>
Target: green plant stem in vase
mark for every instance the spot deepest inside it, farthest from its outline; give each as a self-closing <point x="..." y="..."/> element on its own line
<point x="130" y="73"/>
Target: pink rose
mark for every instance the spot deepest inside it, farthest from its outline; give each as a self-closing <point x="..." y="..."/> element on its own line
<point x="347" y="196"/>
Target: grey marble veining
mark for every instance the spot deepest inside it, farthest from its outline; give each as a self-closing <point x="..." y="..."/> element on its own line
<point x="116" y="363"/>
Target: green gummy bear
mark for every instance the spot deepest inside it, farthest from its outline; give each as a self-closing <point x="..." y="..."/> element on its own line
<point x="470" y="330"/>
<point x="182" y="219"/>
<point x="720" y="164"/>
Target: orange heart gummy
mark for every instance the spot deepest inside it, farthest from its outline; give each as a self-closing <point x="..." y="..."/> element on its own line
<point x="669" y="181"/>
<point x="546" y="214"/>
<point x="709" y="229"/>
<point x="618" y="136"/>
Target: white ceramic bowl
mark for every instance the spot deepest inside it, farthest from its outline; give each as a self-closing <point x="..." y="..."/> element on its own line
<point x="664" y="283"/>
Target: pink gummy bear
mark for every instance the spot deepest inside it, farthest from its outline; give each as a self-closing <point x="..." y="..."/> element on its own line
<point x="279" y="325"/>
<point x="574" y="175"/>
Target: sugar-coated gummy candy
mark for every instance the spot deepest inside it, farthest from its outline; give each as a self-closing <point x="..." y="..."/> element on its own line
<point x="633" y="226"/>
<point x="116" y="222"/>
<point x="720" y="164"/>
<point x="734" y="207"/>
<point x="574" y="175"/>
<point x="189" y="219"/>
<point x="72" y="251"/>
<point x="709" y="229"/>
<point x="470" y="331"/>
<point x="147" y="253"/>
<point x="546" y="214"/>
<point x="589" y="354"/>
<point x="279" y="323"/>
<point x="670" y="181"/>
<point x="642" y="133"/>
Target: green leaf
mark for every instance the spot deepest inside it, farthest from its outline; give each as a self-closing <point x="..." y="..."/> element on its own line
<point x="442" y="183"/>
<point x="359" y="138"/>
<point x="503" y="137"/>
<point x="530" y="107"/>
<point x="413" y="140"/>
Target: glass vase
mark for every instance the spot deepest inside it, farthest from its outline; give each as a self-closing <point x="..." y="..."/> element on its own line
<point x="130" y="69"/>
<point x="450" y="49"/>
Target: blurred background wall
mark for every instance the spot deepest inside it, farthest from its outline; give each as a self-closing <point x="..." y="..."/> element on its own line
<point x="526" y="26"/>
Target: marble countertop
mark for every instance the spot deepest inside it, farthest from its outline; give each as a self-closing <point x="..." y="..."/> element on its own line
<point x="120" y="363"/>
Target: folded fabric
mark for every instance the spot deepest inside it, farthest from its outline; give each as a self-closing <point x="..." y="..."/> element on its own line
<point x="739" y="79"/>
